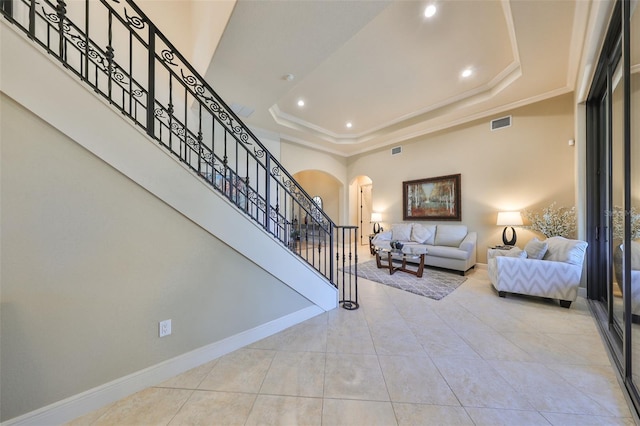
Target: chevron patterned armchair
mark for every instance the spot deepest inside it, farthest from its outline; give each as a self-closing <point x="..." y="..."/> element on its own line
<point x="551" y="268"/>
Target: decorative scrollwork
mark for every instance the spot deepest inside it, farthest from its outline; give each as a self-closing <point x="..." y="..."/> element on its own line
<point x="289" y="184"/>
<point x="117" y="75"/>
<point x="193" y="82"/>
<point x="168" y="56"/>
<point x="275" y="172"/>
<point x="134" y="21"/>
<point x="177" y="129"/>
<point x="158" y="112"/>
<point x="193" y="143"/>
<point x="207" y="156"/>
<point x="259" y="153"/>
<point x="137" y="93"/>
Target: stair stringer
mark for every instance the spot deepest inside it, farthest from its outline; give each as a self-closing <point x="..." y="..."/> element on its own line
<point x="48" y="90"/>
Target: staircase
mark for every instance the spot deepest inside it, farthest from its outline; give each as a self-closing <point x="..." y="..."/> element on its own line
<point x="113" y="48"/>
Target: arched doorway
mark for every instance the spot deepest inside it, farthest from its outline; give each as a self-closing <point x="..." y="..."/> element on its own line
<point x="323" y="185"/>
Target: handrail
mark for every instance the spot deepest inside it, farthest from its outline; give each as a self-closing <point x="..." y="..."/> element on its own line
<point x="113" y="47"/>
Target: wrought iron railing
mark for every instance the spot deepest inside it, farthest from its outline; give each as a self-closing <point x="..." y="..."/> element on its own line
<point x="113" y="47"/>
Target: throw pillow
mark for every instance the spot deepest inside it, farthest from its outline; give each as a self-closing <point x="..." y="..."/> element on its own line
<point x="515" y="252"/>
<point x="564" y="250"/>
<point x="382" y="236"/>
<point x="635" y="255"/>
<point x="536" y="249"/>
<point x="431" y="240"/>
<point x="419" y="233"/>
<point x="401" y="231"/>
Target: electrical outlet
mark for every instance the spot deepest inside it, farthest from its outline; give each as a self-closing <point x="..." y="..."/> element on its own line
<point x="165" y="328"/>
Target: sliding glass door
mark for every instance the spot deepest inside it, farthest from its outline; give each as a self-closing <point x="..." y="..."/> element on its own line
<point x="613" y="187"/>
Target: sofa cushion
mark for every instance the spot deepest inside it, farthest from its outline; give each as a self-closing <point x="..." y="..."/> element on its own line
<point x="536" y="249"/>
<point x="561" y="249"/>
<point x="450" y="235"/>
<point x="401" y="231"/>
<point x="420" y="233"/>
<point x="448" y="252"/>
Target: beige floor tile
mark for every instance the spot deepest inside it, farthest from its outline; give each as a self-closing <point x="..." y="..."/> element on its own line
<point x="493" y="345"/>
<point x="546" y="390"/>
<point x="476" y="384"/>
<point x="153" y="406"/>
<point x="301" y="337"/>
<point x="89" y="418"/>
<point x="415" y="380"/>
<point x="543" y="349"/>
<point x="189" y="379"/>
<point x="598" y="382"/>
<point x="338" y="412"/>
<point x="350" y="339"/>
<point x="295" y="374"/>
<point x="285" y="410"/>
<point x="560" y="419"/>
<point x="588" y="347"/>
<point x="493" y="417"/>
<point x="421" y="414"/>
<point x="211" y="407"/>
<point x="354" y="376"/>
<point x="241" y="371"/>
<point x="395" y="339"/>
<point x="442" y="341"/>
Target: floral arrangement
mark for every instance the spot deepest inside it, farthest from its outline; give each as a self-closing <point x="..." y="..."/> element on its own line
<point x="618" y="222"/>
<point x="553" y="221"/>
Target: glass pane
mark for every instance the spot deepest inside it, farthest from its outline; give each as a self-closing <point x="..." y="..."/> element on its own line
<point x="617" y="193"/>
<point x="634" y="183"/>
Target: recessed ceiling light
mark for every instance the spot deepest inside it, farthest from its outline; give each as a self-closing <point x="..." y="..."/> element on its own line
<point x="429" y="11"/>
<point x="300" y="103"/>
<point x="466" y="73"/>
<point x="288" y="77"/>
<point x="349" y="124"/>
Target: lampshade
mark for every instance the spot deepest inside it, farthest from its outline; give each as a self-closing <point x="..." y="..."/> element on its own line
<point x="509" y="219"/>
<point x="376" y="217"/>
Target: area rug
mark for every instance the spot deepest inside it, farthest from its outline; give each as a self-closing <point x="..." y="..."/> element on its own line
<point x="434" y="284"/>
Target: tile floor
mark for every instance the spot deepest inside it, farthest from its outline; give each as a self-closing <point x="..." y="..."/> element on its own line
<point x="401" y="359"/>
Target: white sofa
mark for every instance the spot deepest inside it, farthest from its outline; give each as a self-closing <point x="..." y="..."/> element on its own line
<point x="551" y="268"/>
<point x="448" y="246"/>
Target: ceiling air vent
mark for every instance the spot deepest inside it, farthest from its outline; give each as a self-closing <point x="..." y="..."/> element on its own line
<point x="499" y="123"/>
<point x="397" y="150"/>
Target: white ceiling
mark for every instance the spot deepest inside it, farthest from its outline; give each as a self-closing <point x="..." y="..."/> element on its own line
<point x="389" y="70"/>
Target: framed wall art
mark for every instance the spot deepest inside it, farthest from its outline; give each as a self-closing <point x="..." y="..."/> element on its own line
<point x="436" y="198"/>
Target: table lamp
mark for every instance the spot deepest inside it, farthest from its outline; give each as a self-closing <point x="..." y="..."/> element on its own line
<point x="509" y="219"/>
<point x="376" y="218"/>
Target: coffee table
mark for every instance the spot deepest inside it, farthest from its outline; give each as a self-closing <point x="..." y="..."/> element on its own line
<point x="406" y="252"/>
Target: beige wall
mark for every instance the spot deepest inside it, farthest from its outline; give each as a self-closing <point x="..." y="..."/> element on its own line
<point x="324" y="185"/>
<point x="90" y="263"/>
<point x="296" y="158"/>
<point x="528" y="165"/>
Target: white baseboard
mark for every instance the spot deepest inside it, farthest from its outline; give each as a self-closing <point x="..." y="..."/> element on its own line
<point x="85" y="402"/>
